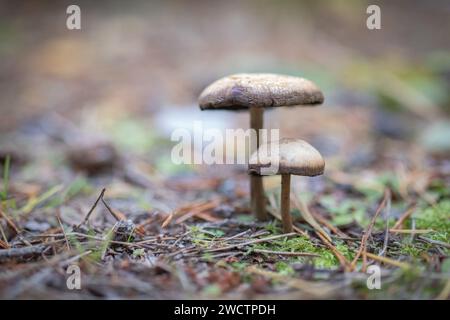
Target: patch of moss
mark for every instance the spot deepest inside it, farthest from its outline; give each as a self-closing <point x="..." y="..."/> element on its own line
<point x="202" y="237"/>
<point x="212" y="290"/>
<point x="436" y="218"/>
<point x="273" y="226"/>
<point x="207" y="257"/>
<point x="138" y="253"/>
<point x="326" y="258"/>
<point x="239" y="266"/>
<point x="6" y="169"/>
<point x="284" y="268"/>
<point x="411" y="250"/>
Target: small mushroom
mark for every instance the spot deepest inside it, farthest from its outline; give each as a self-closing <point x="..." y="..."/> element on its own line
<point x="256" y="92"/>
<point x="292" y="156"/>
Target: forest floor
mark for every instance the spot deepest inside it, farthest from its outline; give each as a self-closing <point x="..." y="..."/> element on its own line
<point x="138" y="234"/>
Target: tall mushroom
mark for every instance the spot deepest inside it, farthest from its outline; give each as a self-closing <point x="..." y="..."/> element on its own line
<point x="292" y="156"/>
<point x="256" y="92"/>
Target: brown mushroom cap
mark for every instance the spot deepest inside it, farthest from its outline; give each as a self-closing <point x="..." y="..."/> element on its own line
<point x="264" y="90"/>
<point x="295" y="157"/>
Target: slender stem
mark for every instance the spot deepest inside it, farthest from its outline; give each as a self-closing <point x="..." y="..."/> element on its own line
<point x="258" y="200"/>
<point x="256" y="122"/>
<point x="257" y="197"/>
<point x="285" y="203"/>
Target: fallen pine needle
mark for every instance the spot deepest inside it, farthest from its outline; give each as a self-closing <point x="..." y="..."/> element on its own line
<point x="341" y="258"/>
<point x="198" y="210"/>
<point x="287" y="253"/>
<point x="327" y="224"/>
<point x="386" y="260"/>
<point x="9" y="222"/>
<point x="63" y="231"/>
<point x="167" y="221"/>
<point x="238" y="245"/>
<point x="445" y="293"/>
<point x="404" y="216"/>
<point x="4" y="245"/>
<point x="368" y="232"/>
<point x="410" y="231"/>
<point x="33" y="202"/>
<point x="304" y="211"/>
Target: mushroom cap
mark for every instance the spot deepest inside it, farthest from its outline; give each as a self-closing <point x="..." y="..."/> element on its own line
<point x="264" y="90"/>
<point x="295" y="156"/>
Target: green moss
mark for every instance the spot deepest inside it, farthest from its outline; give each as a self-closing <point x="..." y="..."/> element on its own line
<point x="284" y="268"/>
<point x="138" y="253"/>
<point x="6" y="169"/>
<point x="203" y="237"/>
<point x="212" y="290"/>
<point x="216" y="233"/>
<point x="411" y="250"/>
<point x="326" y="258"/>
<point x="273" y="227"/>
<point x="239" y="266"/>
<point x="436" y="218"/>
<point x="207" y="256"/>
<point x="297" y="244"/>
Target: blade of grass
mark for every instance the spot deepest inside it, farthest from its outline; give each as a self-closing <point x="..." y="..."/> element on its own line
<point x="6" y="169"/>
<point x="2" y="233"/>
<point x="9" y="222"/>
<point x="35" y="201"/>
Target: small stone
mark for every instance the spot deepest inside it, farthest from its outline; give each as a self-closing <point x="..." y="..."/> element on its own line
<point x="124" y="231"/>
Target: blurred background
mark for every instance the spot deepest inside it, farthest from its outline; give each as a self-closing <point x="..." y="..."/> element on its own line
<point x="133" y="73"/>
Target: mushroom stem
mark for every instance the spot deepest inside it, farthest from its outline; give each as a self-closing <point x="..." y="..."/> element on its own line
<point x="285" y="203"/>
<point x="256" y="122"/>
<point x="258" y="200"/>
<point x="257" y="197"/>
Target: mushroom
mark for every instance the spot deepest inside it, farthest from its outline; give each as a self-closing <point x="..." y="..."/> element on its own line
<point x="256" y="92"/>
<point x="292" y="156"/>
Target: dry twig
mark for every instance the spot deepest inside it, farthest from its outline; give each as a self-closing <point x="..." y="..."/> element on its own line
<point x="367" y="233"/>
